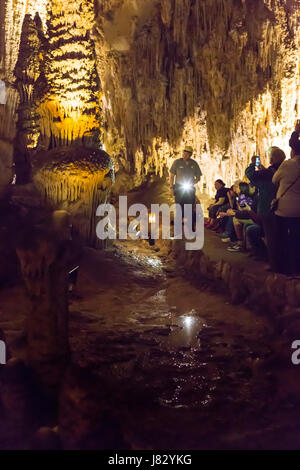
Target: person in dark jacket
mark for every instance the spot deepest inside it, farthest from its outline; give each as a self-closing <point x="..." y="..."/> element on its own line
<point x="221" y="201"/>
<point x="294" y="140"/>
<point x="261" y="178"/>
<point x="185" y="173"/>
<point x="228" y="233"/>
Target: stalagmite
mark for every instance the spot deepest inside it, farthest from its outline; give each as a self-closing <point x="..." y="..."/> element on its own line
<point x="44" y="260"/>
<point x="12" y="13"/>
<point x="28" y="71"/>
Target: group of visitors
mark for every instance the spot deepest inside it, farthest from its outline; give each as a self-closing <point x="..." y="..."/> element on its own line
<point x="263" y="214"/>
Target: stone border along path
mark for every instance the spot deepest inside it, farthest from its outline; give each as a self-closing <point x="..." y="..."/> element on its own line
<point x="245" y="281"/>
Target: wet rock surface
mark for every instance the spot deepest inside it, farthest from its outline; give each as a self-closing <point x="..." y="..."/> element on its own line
<point x="173" y="366"/>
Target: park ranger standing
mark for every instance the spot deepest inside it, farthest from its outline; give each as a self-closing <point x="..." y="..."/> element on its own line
<point x="185" y="173"/>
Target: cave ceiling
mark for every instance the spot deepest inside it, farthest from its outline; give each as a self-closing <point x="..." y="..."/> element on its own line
<point x="220" y="75"/>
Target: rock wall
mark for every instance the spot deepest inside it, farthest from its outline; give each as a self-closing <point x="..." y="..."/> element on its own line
<point x="271" y="294"/>
<point x="12" y="13"/>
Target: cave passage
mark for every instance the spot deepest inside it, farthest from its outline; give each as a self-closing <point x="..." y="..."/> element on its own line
<point x="115" y="343"/>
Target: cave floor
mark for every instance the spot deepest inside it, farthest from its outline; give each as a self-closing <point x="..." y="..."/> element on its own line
<point x="185" y="367"/>
<point x="214" y="248"/>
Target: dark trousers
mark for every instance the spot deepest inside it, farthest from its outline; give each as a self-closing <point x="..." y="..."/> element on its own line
<point x="269" y="226"/>
<point x="186" y="197"/>
<point x="254" y="235"/>
<point x="286" y="239"/>
<point x="228" y="227"/>
<point x="213" y="210"/>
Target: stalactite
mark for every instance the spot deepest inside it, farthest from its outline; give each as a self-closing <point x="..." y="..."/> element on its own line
<point x="76" y="179"/>
<point x="235" y="63"/>
<point x="221" y="75"/>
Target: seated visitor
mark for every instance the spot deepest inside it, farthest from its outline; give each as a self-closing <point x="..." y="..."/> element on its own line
<point x="243" y="216"/>
<point x="233" y="216"/>
<point x="221" y="200"/>
<point x="228" y="233"/>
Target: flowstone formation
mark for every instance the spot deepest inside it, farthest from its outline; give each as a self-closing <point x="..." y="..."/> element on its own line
<point x="75" y="179"/>
<point x="220" y="75"/>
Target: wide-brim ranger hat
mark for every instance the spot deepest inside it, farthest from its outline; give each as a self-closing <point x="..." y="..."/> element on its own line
<point x="188" y="149"/>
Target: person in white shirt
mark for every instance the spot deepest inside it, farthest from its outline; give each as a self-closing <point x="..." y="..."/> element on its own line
<point x="287" y="178"/>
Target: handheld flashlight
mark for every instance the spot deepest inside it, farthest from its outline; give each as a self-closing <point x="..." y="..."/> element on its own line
<point x="187" y="186"/>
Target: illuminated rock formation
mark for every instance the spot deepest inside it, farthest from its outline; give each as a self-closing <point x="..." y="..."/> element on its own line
<point x="222" y="75"/>
<point x="75" y="179"/>
<point x="70" y="108"/>
<point x="59" y="105"/>
<point x="68" y="100"/>
<point x="12" y="14"/>
<point x="15" y="11"/>
<point x="28" y="71"/>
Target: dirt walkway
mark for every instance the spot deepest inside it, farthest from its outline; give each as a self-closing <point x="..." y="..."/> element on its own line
<point x="184" y="364"/>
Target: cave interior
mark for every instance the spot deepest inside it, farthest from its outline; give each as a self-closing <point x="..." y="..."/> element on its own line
<point x="98" y="98"/>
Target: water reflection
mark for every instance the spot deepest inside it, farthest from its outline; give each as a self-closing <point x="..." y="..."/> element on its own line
<point x="154" y="262"/>
<point x="188" y="322"/>
<point x="185" y="331"/>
